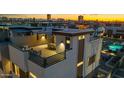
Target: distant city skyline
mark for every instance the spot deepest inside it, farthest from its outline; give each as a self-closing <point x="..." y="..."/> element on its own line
<point x="100" y="17"/>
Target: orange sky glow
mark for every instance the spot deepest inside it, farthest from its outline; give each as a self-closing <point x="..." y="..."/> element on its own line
<point x="99" y="17"/>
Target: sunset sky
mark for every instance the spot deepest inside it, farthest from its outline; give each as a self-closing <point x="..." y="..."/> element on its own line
<point x="100" y="17"/>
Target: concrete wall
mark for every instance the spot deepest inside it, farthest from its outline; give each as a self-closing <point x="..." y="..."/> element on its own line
<point x="60" y="43"/>
<point x="97" y="52"/>
<point x="91" y="48"/>
<point x="66" y="68"/>
<point x="86" y="53"/>
<point x="62" y="39"/>
<point x="35" y="69"/>
<point x="28" y="40"/>
<point x="18" y="57"/>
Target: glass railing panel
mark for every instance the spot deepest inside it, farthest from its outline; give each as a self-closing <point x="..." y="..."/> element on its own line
<point x="55" y="58"/>
<point x="37" y="59"/>
<point x="45" y="62"/>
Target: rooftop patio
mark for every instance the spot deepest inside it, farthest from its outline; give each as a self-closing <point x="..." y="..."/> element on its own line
<point x="45" y="50"/>
<point x="45" y="55"/>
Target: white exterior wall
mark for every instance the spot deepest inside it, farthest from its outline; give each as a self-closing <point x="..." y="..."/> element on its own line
<point x="66" y="68"/>
<point x="28" y="40"/>
<point x="86" y="53"/>
<point x="19" y="58"/>
<point x="91" y="48"/>
<point x="60" y="39"/>
<point x="99" y="52"/>
<point x="36" y="69"/>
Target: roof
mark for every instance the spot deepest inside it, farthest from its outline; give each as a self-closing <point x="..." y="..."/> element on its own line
<point x="23" y="29"/>
<point x="74" y="32"/>
<point x="42" y="32"/>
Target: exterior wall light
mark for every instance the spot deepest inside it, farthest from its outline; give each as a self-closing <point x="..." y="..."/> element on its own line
<point x="61" y="47"/>
<point x="79" y="64"/>
<point x="43" y="37"/>
<point x="62" y="44"/>
<point x="81" y="37"/>
<point x="68" y="41"/>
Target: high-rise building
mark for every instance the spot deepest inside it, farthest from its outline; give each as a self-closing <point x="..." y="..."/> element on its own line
<point x="80" y="18"/>
<point x="48" y="16"/>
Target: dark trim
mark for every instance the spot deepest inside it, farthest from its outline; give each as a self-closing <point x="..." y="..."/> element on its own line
<point x="71" y="33"/>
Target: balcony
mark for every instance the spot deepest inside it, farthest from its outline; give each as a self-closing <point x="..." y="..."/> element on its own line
<point x="45" y="55"/>
<point x="46" y="61"/>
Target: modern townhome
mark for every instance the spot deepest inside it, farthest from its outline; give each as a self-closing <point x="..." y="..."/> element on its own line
<point x="49" y="52"/>
<point x="115" y="30"/>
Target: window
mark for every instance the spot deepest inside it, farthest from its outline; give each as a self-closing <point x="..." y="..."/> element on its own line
<point x="92" y="60"/>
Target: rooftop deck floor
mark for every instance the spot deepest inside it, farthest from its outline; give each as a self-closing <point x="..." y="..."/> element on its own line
<point x="44" y="51"/>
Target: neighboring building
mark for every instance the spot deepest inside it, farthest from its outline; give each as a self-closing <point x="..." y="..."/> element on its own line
<point x="48" y="16"/>
<point x="80" y="19"/>
<point x="50" y="52"/>
<point x="115" y="30"/>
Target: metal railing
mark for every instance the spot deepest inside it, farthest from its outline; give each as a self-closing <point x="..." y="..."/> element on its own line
<point x="48" y="61"/>
<point x="37" y="59"/>
<point x="55" y="59"/>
